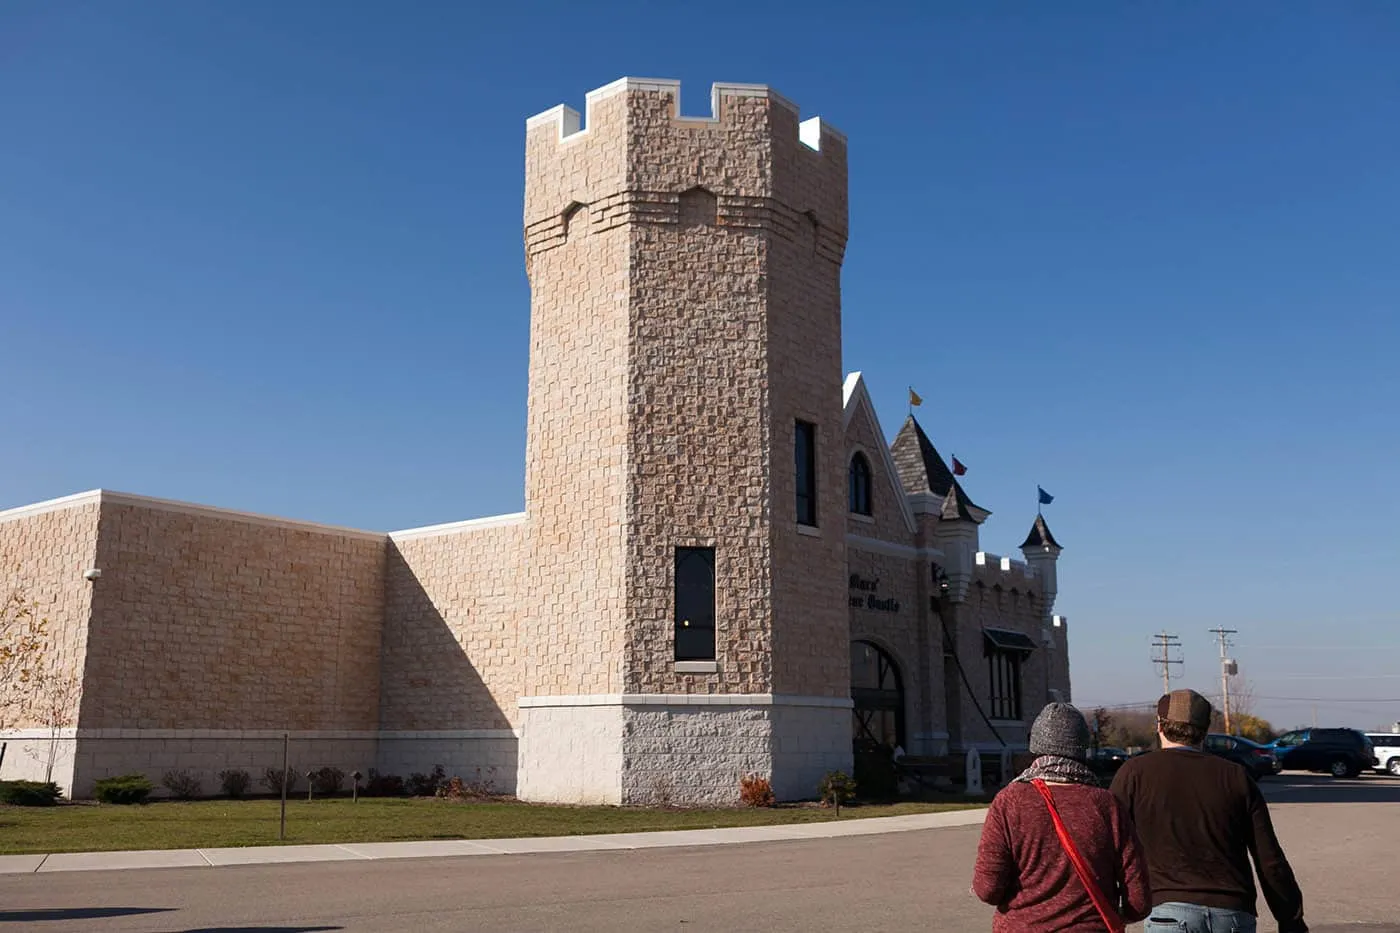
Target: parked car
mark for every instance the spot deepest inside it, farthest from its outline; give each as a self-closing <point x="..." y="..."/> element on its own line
<point x="1387" y="746"/>
<point x="1258" y="760"/>
<point x="1106" y="760"/>
<point x="1339" y="752"/>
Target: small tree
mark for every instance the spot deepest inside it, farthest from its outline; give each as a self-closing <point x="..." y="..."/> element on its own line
<point x="1102" y="722"/>
<point x="835" y="789"/>
<point x="1253" y="728"/>
<point x="55" y="707"/>
<point x="24" y="645"/>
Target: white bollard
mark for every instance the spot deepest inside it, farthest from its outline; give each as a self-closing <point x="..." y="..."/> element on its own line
<point x="974" y="771"/>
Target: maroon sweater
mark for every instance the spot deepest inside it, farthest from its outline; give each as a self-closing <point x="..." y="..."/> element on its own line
<point x="1023" y="871"/>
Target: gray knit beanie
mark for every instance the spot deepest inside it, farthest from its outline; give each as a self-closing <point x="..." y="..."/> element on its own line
<point x="1060" y="730"/>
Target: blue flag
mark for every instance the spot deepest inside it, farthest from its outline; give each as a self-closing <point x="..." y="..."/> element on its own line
<point x="1045" y="497"/>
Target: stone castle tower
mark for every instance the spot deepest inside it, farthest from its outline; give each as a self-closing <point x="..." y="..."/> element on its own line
<point x="685" y="474"/>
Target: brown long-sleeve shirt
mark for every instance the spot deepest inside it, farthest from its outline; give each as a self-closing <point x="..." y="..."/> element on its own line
<point x="1023" y="871"/>
<point x="1200" y="819"/>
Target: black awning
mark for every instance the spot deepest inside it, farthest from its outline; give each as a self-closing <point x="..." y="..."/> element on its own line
<point x="1008" y="641"/>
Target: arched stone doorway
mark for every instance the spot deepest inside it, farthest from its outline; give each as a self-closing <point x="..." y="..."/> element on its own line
<point x="877" y="694"/>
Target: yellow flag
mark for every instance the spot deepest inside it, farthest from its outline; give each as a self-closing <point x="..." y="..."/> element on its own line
<point x="914" y="398"/>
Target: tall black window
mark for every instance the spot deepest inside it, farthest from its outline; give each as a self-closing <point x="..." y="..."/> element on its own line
<point x="860" y="485"/>
<point x="1006" y="652"/>
<point x="1006" y="683"/>
<point x="805" y="449"/>
<point x="695" y="604"/>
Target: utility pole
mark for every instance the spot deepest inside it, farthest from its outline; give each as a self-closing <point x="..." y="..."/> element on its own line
<point x="1227" y="667"/>
<point x="1165" y="643"/>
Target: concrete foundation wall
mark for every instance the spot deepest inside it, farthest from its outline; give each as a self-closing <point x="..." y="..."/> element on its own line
<point x="39" y="755"/>
<point x="679" y="749"/>
<point x="570" y="753"/>
<point x="205" y="753"/>
<point x="486" y="757"/>
<point x="809" y="741"/>
<point x="693" y="755"/>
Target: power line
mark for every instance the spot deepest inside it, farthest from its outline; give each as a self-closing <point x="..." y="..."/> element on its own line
<point x="1165" y="643"/>
<point x="1151" y="704"/>
<point x="1227" y="667"/>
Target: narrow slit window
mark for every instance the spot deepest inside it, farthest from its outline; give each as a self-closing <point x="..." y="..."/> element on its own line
<point x="860" y="485"/>
<point x="805" y="451"/>
<point x="695" y="603"/>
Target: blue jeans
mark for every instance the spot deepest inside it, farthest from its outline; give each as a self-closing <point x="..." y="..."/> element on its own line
<point x="1175" y="917"/>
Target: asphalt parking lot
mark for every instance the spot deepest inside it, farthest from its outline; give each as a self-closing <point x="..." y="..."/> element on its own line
<point x="1339" y="834"/>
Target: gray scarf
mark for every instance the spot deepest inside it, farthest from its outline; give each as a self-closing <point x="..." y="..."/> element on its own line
<point x="1058" y="768"/>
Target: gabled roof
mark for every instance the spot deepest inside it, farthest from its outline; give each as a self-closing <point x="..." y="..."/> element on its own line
<point x="855" y="395"/>
<point x="921" y="469"/>
<point x="1040" y="536"/>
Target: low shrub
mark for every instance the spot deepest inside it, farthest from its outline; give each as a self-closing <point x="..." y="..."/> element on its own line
<point x="272" y="780"/>
<point x="454" y="789"/>
<point x="181" y="784"/>
<point x="328" y="780"/>
<point x="835" y="789"/>
<point x="384" y="785"/>
<point x="29" y="793"/>
<point x="235" y="782"/>
<point x="123" y="789"/>
<point x="755" y="791"/>
<point x="426" y="785"/>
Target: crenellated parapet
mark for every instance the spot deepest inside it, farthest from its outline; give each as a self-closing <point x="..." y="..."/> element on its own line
<point x="635" y="159"/>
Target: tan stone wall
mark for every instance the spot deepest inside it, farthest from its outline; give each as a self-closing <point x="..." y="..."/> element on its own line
<point x="886" y="521"/>
<point x="42" y="559"/>
<point x="452" y="656"/>
<point x="207" y="620"/>
<point x="571" y="627"/>
<point x="724" y="312"/>
<point x="698" y="392"/>
<point x="811" y="625"/>
<point x="902" y="633"/>
<point x="1013" y="611"/>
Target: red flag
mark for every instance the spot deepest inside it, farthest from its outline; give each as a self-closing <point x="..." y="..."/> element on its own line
<point x="958" y="468"/>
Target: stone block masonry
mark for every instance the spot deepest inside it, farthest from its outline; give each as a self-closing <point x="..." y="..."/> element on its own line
<point x="204" y="620"/>
<point x="685" y="391"/>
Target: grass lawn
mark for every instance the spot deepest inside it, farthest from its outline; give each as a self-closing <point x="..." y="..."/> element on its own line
<point x="212" y="823"/>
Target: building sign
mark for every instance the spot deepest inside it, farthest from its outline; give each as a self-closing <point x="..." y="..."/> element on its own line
<point x="863" y="595"/>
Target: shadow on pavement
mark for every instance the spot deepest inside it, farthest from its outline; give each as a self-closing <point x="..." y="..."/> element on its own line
<point x="76" y="913"/>
<point x="1311" y="788"/>
<point x="262" y="929"/>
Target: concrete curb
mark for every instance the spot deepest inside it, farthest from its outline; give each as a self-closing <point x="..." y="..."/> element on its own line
<point x="446" y="848"/>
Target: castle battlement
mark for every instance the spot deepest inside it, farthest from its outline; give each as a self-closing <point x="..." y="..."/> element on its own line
<point x="1006" y="565"/>
<point x="752" y="164"/>
<point x="569" y="127"/>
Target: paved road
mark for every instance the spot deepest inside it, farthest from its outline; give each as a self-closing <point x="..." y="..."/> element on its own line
<point x="1340" y="835"/>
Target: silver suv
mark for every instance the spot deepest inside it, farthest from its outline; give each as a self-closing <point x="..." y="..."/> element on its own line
<point x="1387" y="746"/>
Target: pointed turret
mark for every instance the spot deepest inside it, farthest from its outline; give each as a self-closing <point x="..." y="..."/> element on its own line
<point x="1040" y="537"/>
<point x="934" y="490"/>
<point x="1042" y="553"/>
<point x="922" y="470"/>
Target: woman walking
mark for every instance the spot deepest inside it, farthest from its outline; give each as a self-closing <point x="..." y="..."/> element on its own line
<point x="1058" y="851"/>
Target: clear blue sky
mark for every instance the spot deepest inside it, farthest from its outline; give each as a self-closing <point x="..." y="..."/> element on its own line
<point x="268" y="256"/>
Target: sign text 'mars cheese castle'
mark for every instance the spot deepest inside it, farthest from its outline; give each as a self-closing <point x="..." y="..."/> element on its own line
<point x="723" y="567"/>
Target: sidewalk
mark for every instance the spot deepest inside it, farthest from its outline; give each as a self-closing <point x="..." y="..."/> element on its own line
<point x="267" y="855"/>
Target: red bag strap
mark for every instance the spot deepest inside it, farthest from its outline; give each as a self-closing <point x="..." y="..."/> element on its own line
<point x="1110" y="916"/>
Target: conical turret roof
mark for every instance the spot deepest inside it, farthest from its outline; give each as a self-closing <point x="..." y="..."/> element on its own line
<point x="921" y="469"/>
<point x="1040" y="536"/>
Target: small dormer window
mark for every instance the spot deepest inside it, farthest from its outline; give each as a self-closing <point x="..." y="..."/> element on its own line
<point x="860" y="485"/>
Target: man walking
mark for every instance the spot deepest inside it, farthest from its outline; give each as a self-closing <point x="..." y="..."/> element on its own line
<point x="1200" y="819"/>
